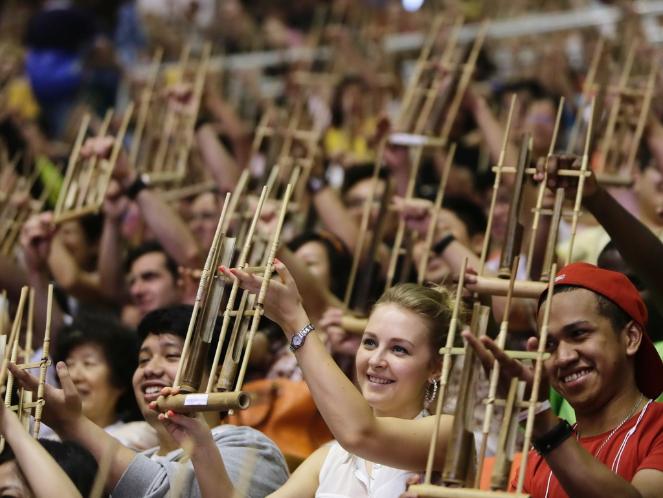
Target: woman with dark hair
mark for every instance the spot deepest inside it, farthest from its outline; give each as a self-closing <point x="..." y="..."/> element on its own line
<point x="347" y="139"/>
<point x="101" y="357"/>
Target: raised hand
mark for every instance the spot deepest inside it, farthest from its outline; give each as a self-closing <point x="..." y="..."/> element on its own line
<point x="553" y="164"/>
<point x="282" y="302"/>
<point x="488" y="351"/>
<point x="63" y="407"/>
<point x="35" y="239"/>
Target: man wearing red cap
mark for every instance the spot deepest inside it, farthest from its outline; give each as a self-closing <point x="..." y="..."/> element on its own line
<point x="604" y="364"/>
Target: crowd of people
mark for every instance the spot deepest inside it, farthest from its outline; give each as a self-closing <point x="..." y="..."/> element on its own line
<point x="345" y="368"/>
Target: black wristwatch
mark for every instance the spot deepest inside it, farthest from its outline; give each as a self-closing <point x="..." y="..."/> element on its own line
<point x="553" y="438"/>
<point x="140" y="183"/>
<point x="441" y="245"/>
<point x="298" y="339"/>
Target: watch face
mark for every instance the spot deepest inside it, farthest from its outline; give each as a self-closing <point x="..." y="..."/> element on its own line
<point x="297" y="340"/>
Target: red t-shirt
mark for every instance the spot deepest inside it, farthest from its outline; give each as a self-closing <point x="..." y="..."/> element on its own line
<point x="643" y="450"/>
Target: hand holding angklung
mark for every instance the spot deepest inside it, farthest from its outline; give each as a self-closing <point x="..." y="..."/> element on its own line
<point x="63" y="406"/>
<point x="488" y="352"/>
<point x="282" y="302"/>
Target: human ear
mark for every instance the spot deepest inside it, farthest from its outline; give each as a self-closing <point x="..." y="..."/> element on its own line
<point x="633" y="337"/>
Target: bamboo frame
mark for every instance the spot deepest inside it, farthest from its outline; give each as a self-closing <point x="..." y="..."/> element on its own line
<point x="25" y="405"/>
<point x="203" y="397"/>
<point x="613" y="166"/>
<point x="85" y="184"/>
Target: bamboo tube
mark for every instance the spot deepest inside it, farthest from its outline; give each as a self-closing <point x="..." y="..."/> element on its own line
<point x="607" y="142"/>
<point x="235" y="345"/>
<point x="552" y="234"/>
<point x="444" y="374"/>
<point x="400" y="230"/>
<point x="16" y="326"/>
<point x="501" y="468"/>
<point x="241" y="261"/>
<point x="202" y="294"/>
<point x="642" y="120"/>
<point x="71" y="165"/>
<point x="542" y="190"/>
<point x="86" y="174"/>
<point x="430" y="491"/>
<point x="496" y="186"/>
<point x="363" y="227"/>
<point x="437" y="205"/>
<point x="581" y="184"/>
<point x="212" y="402"/>
<point x="460" y="457"/>
<point x="494" y="377"/>
<point x="43" y="366"/>
<point x="265" y="282"/>
<point x="514" y="228"/>
<point x="538" y="373"/>
<point x="144" y="107"/>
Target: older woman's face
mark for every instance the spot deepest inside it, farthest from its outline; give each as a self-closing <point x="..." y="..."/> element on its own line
<point x="91" y="374"/>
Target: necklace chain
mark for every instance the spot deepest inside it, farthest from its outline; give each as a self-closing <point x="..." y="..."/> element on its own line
<point x="612" y="433"/>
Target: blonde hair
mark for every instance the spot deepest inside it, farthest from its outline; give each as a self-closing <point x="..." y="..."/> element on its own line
<point x="434" y="304"/>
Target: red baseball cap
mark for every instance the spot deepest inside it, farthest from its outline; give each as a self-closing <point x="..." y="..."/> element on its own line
<point x="618" y="288"/>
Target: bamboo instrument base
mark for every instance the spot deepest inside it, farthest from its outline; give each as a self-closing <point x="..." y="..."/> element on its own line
<point x="205" y="402"/>
<point x="430" y="491"/>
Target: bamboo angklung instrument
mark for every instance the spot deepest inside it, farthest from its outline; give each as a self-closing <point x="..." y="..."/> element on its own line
<point x="437" y="206"/>
<point x="85" y="185"/>
<point x="514" y="228"/>
<point x="205" y="311"/>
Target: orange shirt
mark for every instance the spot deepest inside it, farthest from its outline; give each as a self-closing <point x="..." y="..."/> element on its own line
<point x="637" y="445"/>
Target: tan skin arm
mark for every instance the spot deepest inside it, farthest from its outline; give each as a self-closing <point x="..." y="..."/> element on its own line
<point x="206" y="459"/>
<point x="63" y="413"/>
<point x="44" y="476"/>
<point x="221" y="165"/>
<point x="579" y="473"/>
<point x="168" y="227"/>
<point x="111" y="249"/>
<point x="346" y="412"/>
<point x="335" y="217"/>
<point x="316" y="299"/>
<point x="304" y="481"/>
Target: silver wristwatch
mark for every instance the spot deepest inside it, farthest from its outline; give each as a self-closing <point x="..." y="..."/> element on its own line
<point x="298" y="339"/>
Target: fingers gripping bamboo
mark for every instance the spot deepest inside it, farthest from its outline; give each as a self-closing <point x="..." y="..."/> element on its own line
<point x="263" y="289"/>
<point x="43" y="364"/>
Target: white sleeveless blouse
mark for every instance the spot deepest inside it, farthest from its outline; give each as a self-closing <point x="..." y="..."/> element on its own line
<point x="344" y="475"/>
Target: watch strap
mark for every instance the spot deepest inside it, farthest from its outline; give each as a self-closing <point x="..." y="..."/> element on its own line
<point x="553" y="438"/>
<point x="297" y="340"/>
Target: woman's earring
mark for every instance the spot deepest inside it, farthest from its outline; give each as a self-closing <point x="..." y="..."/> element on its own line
<point x="431" y="393"/>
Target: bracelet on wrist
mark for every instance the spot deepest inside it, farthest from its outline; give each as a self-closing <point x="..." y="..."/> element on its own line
<point x="140" y="183"/>
<point x="553" y="438"/>
<point x="315" y="184"/>
<point x="441" y="245"/>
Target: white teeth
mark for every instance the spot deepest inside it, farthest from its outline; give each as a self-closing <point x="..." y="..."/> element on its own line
<point x="378" y="380"/>
<point x="152" y="390"/>
<point x="575" y="375"/>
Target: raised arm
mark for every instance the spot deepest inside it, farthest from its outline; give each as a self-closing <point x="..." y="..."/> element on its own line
<point x="346" y="412"/>
<point x="45" y="477"/>
<point x="62" y="412"/>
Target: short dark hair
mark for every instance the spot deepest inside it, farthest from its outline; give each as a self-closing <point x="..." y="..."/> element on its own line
<point x="77" y="462"/>
<point x="120" y="349"/>
<point x="92" y="224"/>
<point x="148" y="247"/>
<point x="175" y="320"/>
<point x="617" y="317"/>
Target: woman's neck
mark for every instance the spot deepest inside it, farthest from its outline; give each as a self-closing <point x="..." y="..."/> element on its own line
<point x="410" y="412"/>
<point x="103" y="420"/>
